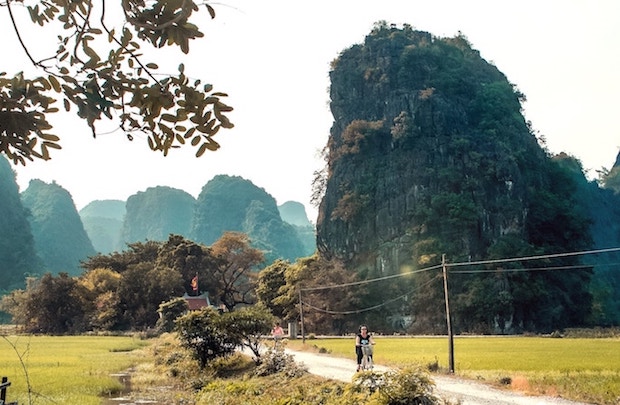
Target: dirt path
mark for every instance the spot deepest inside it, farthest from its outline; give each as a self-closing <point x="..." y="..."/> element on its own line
<point x="468" y="392"/>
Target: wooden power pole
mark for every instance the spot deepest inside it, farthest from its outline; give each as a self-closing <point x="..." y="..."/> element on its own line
<point x="448" y="320"/>
<point x="301" y="317"/>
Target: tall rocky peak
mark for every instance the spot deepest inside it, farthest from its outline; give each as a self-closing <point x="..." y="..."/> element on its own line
<point x="59" y="235"/>
<point x="294" y="213"/>
<point x="428" y="154"/>
<point x="18" y="255"/>
<point x="231" y="203"/>
<point x="156" y="213"/>
<point x="103" y="222"/>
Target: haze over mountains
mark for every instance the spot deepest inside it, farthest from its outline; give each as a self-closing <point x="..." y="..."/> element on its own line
<point x="430" y="163"/>
<point x="61" y="237"/>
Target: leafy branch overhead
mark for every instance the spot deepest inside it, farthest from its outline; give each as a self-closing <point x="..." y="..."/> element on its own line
<point x="100" y="72"/>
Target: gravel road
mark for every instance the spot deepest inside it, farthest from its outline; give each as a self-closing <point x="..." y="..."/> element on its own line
<point x="449" y="387"/>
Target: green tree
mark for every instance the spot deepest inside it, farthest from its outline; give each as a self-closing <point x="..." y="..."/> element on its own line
<point x="248" y="325"/>
<point x="325" y="307"/>
<point x="270" y="283"/>
<point x="54" y="305"/>
<point x="99" y="70"/>
<point x="100" y="288"/>
<point x="201" y="332"/>
<point x="236" y="276"/>
<point x="191" y="259"/>
<point x="169" y="311"/>
<point x="142" y="289"/>
<point x="138" y="252"/>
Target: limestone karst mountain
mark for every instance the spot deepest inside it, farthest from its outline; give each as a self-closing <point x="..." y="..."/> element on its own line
<point x="60" y="239"/>
<point x="430" y="157"/>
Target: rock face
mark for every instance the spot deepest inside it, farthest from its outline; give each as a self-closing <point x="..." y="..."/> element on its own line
<point x="294" y="213"/>
<point x="156" y="213"/>
<point x="427" y="141"/>
<point x="231" y="203"/>
<point x="429" y="155"/>
<point x="103" y="222"/>
<point x="17" y="249"/>
<point x="59" y="235"/>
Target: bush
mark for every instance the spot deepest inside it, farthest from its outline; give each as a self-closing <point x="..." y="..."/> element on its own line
<point x="277" y="361"/>
<point x="408" y="386"/>
<point x="202" y="334"/>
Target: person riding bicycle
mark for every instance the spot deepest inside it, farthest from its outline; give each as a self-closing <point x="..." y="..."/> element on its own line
<point x="278" y="333"/>
<point x="362" y="338"/>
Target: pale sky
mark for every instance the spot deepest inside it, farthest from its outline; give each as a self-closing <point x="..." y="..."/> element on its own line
<point x="272" y="58"/>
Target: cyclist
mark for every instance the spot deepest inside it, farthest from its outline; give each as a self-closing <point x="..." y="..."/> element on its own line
<point x="278" y="333"/>
<point x="362" y="338"/>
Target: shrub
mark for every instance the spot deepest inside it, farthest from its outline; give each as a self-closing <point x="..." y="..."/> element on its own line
<point x="407" y="386"/>
<point x="277" y="361"/>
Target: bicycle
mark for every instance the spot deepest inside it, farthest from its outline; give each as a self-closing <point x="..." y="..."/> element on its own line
<point x="367" y="364"/>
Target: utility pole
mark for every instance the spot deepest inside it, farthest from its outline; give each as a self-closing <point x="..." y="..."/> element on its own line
<point x="448" y="321"/>
<point x="301" y="317"/>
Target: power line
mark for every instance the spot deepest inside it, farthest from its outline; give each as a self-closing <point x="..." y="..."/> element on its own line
<point x="359" y="311"/>
<point x="480" y="262"/>
<point x="522" y="269"/>
<point x="371" y="280"/>
<point x="525" y="258"/>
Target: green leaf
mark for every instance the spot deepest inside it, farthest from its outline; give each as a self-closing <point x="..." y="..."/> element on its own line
<point x="55" y="84"/>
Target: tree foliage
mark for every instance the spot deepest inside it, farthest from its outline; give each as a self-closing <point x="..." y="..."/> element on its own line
<point x="99" y="70"/>
<point x="126" y="290"/>
<point x="249" y="325"/>
<point x="54" y="305"/>
<point x="202" y="333"/>
<point x="325" y="310"/>
<point x="237" y="273"/>
<point x="270" y="284"/>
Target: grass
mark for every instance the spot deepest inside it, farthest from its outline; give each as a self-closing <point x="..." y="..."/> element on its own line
<point x="78" y="369"/>
<point x="582" y="369"/>
<point x="65" y="369"/>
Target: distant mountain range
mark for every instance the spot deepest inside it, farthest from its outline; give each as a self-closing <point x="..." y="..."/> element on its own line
<point x="59" y="237"/>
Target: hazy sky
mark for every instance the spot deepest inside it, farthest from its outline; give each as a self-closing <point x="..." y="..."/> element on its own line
<point x="272" y="58"/>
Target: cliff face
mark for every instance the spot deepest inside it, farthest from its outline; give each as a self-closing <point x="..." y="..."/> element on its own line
<point x="428" y="142"/>
<point x="156" y="213"/>
<point x="429" y="155"/>
<point x="18" y="255"/>
<point x="103" y="222"/>
<point x="231" y="203"/>
<point x="59" y="235"/>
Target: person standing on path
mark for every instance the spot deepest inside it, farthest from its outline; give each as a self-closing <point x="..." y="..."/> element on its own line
<point x="278" y="333"/>
<point x="362" y="338"/>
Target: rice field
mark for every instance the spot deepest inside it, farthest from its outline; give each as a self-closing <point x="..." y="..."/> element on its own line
<point x="585" y="369"/>
<point x="79" y="369"/>
<point x="65" y="369"/>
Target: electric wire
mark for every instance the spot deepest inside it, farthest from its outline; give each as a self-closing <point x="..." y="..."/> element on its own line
<point x="359" y="311"/>
<point x="521" y="269"/>
<point x="371" y="280"/>
<point x="540" y="257"/>
<point x="456" y="264"/>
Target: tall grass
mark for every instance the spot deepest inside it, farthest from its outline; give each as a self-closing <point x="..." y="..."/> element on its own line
<point x="65" y="369"/>
<point x="579" y="368"/>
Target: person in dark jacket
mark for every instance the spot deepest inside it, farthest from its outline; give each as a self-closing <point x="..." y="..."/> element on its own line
<point x="362" y="338"/>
